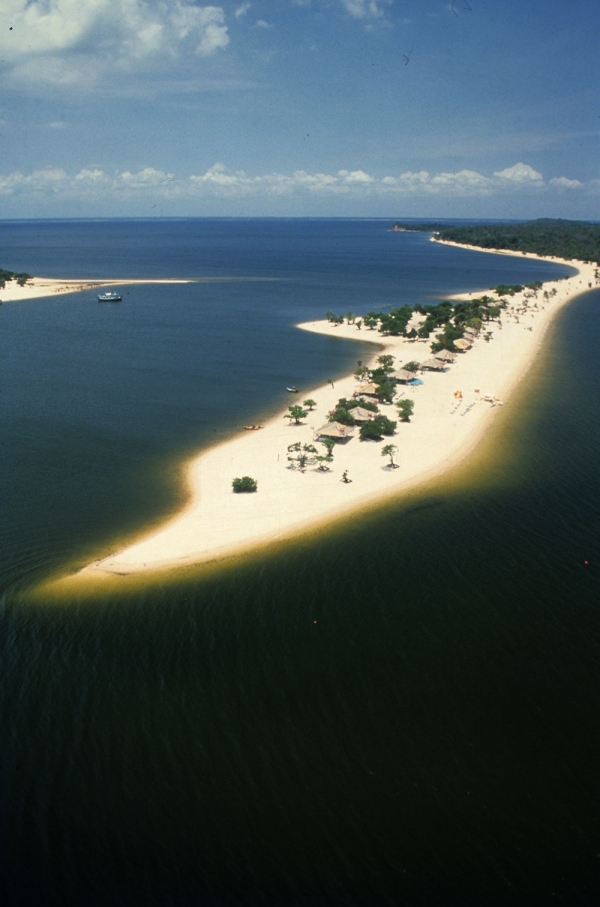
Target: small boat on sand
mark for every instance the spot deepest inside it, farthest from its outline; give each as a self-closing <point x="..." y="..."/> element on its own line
<point x="293" y="389"/>
<point x="253" y="427"/>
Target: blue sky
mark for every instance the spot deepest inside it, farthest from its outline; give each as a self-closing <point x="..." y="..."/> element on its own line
<point x="372" y="108"/>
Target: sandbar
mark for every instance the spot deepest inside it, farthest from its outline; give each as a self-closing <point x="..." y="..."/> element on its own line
<point x="216" y="523"/>
<point x="40" y="287"/>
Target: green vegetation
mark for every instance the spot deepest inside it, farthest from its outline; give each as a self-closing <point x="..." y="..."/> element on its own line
<point x="328" y="444"/>
<point x="7" y="276"/>
<point x="246" y="483"/>
<point x="390" y="450"/>
<point x="547" y="237"/>
<point x="376" y="428"/>
<point x="296" y="413"/>
<point x="304" y="453"/>
<point x="310" y="403"/>
<point x="405" y="409"/>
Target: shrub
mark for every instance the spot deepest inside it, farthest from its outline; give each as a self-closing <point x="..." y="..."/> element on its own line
<point x="376" y="428"/>
<point x="244" y="484"/>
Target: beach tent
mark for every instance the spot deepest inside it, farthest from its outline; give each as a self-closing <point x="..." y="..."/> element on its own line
<point x="335" y="430"/>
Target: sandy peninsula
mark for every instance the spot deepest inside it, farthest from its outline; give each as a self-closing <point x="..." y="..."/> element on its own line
<point x="39" y="287"/>
<point x="444" y="429"/>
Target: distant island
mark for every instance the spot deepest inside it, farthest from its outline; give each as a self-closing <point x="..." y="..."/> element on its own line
<point x="566" y="239"/>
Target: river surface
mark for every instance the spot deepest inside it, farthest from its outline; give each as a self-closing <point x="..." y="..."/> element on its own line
<point x="401" y="711"/>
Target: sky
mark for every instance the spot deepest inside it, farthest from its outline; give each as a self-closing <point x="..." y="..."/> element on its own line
<point x="353" y="108"/>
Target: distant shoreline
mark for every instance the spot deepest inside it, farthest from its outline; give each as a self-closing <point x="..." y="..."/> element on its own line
<point x="216" y="523"/>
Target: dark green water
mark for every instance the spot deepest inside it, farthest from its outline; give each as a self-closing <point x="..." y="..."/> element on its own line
<point x="432" y="739"/>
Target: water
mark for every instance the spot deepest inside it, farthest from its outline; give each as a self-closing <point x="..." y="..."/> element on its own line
<point x="433" y="738"/>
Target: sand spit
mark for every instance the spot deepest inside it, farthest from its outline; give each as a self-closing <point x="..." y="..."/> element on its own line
<point x="40" y="287"/>
<point x="443" y="430"/>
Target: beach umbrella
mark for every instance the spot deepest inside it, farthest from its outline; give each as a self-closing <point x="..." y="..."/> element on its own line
<point x="445" y="356"/>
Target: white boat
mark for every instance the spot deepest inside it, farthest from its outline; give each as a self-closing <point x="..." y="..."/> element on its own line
<point x="109" y="297"/>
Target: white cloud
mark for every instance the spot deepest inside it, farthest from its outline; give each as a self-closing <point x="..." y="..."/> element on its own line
<point x="242" y="10"/>
<point x="261" y="23"/>
<point x="365" y="9"/>
<point x="520" y="173"/>
<point x="562" y="182"/>
<point x="219" y="182"/>
<point x="70" y="42"/>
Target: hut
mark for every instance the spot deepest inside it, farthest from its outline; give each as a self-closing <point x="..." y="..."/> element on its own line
<point x="462" y="345"/>
<point x="434" y="365"/>
<point x="362" y="415"/>
<point x="403" y="375"/>
<point x="369" y="390"/>
<point x="336" y="431"/>
<point x="445" y="356"/>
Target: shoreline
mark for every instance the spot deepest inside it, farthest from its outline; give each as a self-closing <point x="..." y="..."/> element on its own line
<point x="43" y="287"/>
<point x="216" y="523"/>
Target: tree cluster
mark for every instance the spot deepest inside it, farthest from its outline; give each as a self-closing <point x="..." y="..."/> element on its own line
<point x="7" y="276"/>
<point x="546" y="236"/>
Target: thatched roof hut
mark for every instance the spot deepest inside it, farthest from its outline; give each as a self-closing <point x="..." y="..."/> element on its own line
<point x="434" y="365"/>
<point x="335" y="430"/>
<point x="445" y="356"/>
<point x="361" y="415"/>
<point x="369" y="390"/>
<point x="462" y="345"/>
<point x="403" y="375"/>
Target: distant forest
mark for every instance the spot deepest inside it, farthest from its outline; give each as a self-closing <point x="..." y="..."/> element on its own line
<point x="561" y="238"/>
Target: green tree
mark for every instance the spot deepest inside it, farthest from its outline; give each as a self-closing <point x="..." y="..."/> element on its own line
<point x="390" y="450"/>
<point x="412" y="366"/>
<point x="376" y="428"/>
<point x="310" y="403"/>
<point x="370" y="321"/>
<point x="296" y="413"/>
<point x="246" y="483"/>
<point x="328" y="444"/>
<point x="385" y="392"/>
<point x="405" y="409"/>
<point x="386" y="362"/>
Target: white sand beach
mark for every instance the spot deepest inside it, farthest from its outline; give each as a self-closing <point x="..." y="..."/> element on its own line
<point x="444" y="428"/>
<point x="39" y="287"/>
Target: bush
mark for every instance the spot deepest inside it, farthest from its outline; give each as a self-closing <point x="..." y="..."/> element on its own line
<point x="376" y="428"/>
<point x="244" y="484"/>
